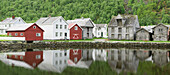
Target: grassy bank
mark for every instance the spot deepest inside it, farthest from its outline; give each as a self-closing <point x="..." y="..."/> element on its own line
<point x="96" y="68"/>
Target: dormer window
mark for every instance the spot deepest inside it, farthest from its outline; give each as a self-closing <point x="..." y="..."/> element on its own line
<point x="119" y="22"/>
<point x="34" y="27"/>
<point x="60" y="20"/>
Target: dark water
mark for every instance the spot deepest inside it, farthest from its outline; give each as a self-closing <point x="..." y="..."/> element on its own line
<point x="118" y="60"/>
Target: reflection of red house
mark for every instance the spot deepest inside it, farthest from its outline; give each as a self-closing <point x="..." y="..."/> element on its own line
<point x="75" y="31"/>
<point x="75" y="55"/>
<point x="32" y="58"/>
<point x="31" y="32"/>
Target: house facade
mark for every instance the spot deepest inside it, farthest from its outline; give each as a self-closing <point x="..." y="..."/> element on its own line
<point x="33" y="58"/>
<point x="160" y="32"/>
<point x="123" y="27"/>
<point x="55" y="28"/>
<point x="100" y="30"/>
<point x="76" y="32"/>
<point x="86" y="24"/>
<point x="54" y="60"/>
<point x="31" y="32"/>
<point x="123" y="60"/>
<point x="143" y="34"/>
<point x="9" y="22"/>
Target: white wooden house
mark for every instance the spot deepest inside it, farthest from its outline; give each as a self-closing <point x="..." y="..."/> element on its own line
<point x="100" y="31"/>
<point x="9" y="22"/>
<point x="54" y="60"/>
<point x="55" y="28"/>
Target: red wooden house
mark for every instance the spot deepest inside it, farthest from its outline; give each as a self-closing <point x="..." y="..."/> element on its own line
<point x="33" y="58"/>
<point x="75" y="31"/>
<point x="75" y="55"/>
<point x="31" y="32"/>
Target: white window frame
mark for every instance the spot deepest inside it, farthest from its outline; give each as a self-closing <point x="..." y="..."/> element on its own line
<point x="21" y="34"/>
<point x="75" y="28"/>
<point x="61" y="26"/>
<point x="16" y="34"/>
<point x="38" y="34"/>
<point x="38" y="56"/>
<point x="34" y="27"/>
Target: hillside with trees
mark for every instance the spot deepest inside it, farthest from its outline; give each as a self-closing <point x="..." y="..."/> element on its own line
<point x="149" y="12"/>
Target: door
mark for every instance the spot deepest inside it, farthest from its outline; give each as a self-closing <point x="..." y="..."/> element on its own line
<point x="101" y="34"/>
<point x="65" y="35"/>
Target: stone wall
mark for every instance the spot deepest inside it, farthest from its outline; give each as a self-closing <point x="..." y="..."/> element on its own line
<point x="82" y="45"/>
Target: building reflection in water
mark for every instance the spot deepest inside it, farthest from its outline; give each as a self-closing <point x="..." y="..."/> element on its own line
<point x="80" y="58"/>
<point x="99" y="55"/>
<point x="126" y="60"/>
<point x="122" y="60"/>
<point x="54" y="60"/>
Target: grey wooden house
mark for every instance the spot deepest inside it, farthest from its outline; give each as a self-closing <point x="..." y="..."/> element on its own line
<point x="123" y="27"/>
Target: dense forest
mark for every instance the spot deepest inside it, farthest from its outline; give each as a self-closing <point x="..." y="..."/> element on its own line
<point x="100" y="11"/>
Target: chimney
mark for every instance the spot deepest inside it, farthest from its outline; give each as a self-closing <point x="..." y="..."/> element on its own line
<point x="13" y="17"/>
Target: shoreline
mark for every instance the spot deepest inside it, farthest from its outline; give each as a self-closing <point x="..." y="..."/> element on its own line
<point x="83" y="45"/>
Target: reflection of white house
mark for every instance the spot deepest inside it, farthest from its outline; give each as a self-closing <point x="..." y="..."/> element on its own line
<point x="54" y="27"/>
<point x="84" y="62"/>
<point x="100" y="30"/>
<point x="9" y="22"/>
<point x="100" y="55"/>
<point x="123" y="60"/>
<point x="54" y="60"/>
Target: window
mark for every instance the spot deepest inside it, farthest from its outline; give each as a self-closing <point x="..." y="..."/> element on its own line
<point x="21" y="34"/>
<point x="60" y="20"/>
<point x="38" y="56"/>
<point x="127" y="36"/>
<point x="16" y="34"/>
<point x="75" y="59"/>
<point x="98" y="33"/>
<point x="75" y="28"/>
<point x="112" y="29"/>
<point x="112" y="36"/>
<point x="60" y="33"/>
<point x="9" y="34"/>
<point x="56" y="62"/>
<point x="60" y="26"/>
<point x="56" y="34"/>
<point x="65" y="26"/>
<point x="34" y="27"/>
<point x="56" y="54"/>
<point x="56" y="26"/>
<point x="5" y="25"/>
<point x="21" y="57"/>
<point x="127" y="30"/>
<point x="65" y="61"/>
<point x="160" y="30"/>
<point x="60" y="62"/>
<point x="65" y="53"/>
<point x="60" y="54"/>
<point x="120" y="29"/>
<point x="9" y="25"/>
<point x="1" y="31"/>
<point x="34" y="64"/>
<point x="38" y="34"/>
<point x="16" y="56"/>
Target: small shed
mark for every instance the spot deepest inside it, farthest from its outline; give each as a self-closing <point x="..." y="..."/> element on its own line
<point x="31" y="32"/>
<point x="75" y="31"/>
<point x="143" y="34"/>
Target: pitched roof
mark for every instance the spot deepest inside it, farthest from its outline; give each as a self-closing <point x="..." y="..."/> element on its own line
<point x="81" y="22"/>
<point x="21" y="27"/>
<point x="47" y="20"/>
<point x="101" y="25"/>
<point x="159" y="25"/>
<point x="129" y="20"/>
<point x="148" y="28"/>
<point x="10" y="20"/>
<point x="72" y="24"/>
<point x="142" y="29"/>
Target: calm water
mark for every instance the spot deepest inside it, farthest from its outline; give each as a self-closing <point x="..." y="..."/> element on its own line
<point x="116" y="60"/>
